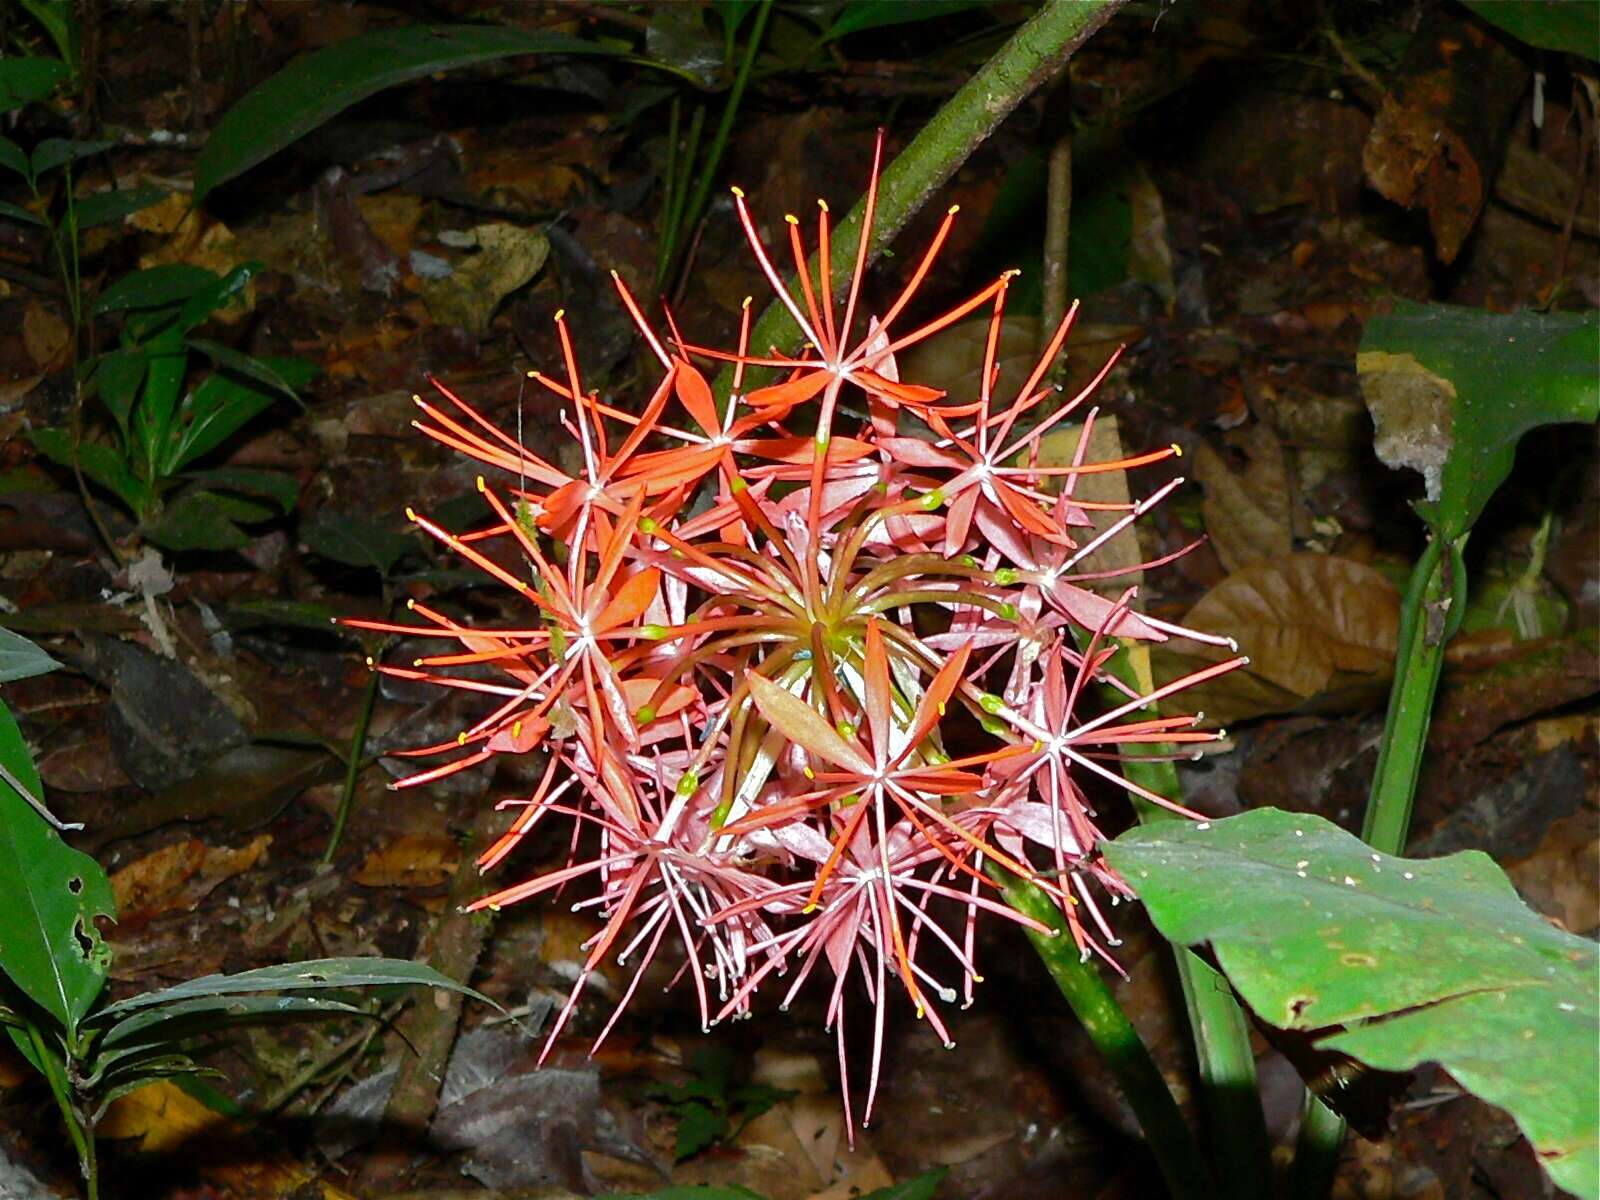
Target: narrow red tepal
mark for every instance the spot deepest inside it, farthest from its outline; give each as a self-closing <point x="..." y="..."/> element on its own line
<point x="799" y="675"/>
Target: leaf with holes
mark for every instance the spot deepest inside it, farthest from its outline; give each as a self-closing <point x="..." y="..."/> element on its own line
<point x="1405" y="960"/>
<point x="53" y="894"/>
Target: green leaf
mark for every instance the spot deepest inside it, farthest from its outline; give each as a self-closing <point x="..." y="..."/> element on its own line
<point x="21" y="659"/>
<point x="118" y="376"/>
<point x="17" y="213"/>
<point x="699" y="1126"/>
<point x="212" y="413"/>
<point x="282" y="374"/>
<point x="314" y="975"/>
<point x="13" y="158"/>
<point x="57" y="152"/>
<point x="49" y="945"/>
<point x="196" y="520"/>
<point x="319" y="86"/>
<point x="357" y="543"/>
<point x="1452" y="391"/>
<point x="155" y="287"/>
<point x="201" y="1015"/>
<point x="287" y="614"/>
<point x="283" y="490"/>
<point x="1420" y="960"/>
<point x="208" y="300"/>
<point x="101" y="208"/>
<point x="100" y="463"/>
<point x="875" y="14"/>
<point x="25" y="80"/>
<point x="58" y="21"/>
<point x="701" y="1191"/>
<point x="151" y="423"/>
<point x="1565" y="26"/>
<point x="921" y="1188"/>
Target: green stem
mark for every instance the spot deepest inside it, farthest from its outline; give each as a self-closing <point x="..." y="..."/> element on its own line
<point x="1432" y="599"/>
<point x="719" y="142"/>
<point x="1432" y="607"/>
<point x="1114" y="1036"/>
<point x="1032" y="56"/>
<point x="358" y="744"/>
<point x="1316" y="1151"/>
<point x="61" y="1088"/>
<point x="1221" y="1034"/>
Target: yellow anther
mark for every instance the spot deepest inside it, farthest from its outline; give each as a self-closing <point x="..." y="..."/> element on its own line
<point x="809" y="773"/>
<point x="791" y="218"/>
<point x="560" y="313"/>
<point x="954" y="209"/>
<point x="370" y="663"/>
<point x="614" y="274"/>
<point x="1177" y="449"/>
<point x="823" y="204"/>
<point x="534" y="375"/>
<point x="482" y="486"/>
<point x="737" y="191"/>
<point x="516" y="729"/>
<point x="461" y="738"/>
<point x="941" y="710"/>
<point x="410" y="604"/>
<point x="747" y="301"/>
<point x="411" y="513"/>
<point x="416" y="662"/>
<point x="416" y="399"/>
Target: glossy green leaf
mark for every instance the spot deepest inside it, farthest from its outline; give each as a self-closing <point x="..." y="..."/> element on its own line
<point x="319" y="86"/>
<point x="59" y="22"/>
<point x="101" y="208"/>
<point x="314" y="975"/>
<point x="17" y="213"/>
<point x="283" y="374"/>
<point x="202" y="1015"/>
<point x="1452" y="391"/>
<point x="1565" y="26"/>
<point x="118" y="376"/>
<point x="58" y="152"/>
<point x="875" y="14"/>
<point x="357" y="543"/>
<point x="283" y="490"/>
<point x="155" y="287"/>
<point x="50" y="946"/>
<point x="26" y="80"/>
<point x="1419" y="960"/>
<point x="13" y="158"/>
<point x="99" y="462"/>
<point x="21" y="659"/>
<point x="217" y="409"/>
<point x="196" y="520"/>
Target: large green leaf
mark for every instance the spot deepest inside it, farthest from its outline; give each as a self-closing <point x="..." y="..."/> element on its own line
<point x="21" y="659"/>
<point x="318" y="87"/>
<point x="155" y="287"/>
<point x="50" y="897"/>
<point x="314" y="975"/>
<point x="1452" y="390"/>
<point x="24" y="80"/>
<point x="1566" y="26"/>
<point x="857" y="15"/>
<point x="1420" y="960"/>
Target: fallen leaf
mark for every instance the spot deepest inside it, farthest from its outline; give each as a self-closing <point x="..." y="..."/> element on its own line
<point x="166" y="1120"/>
<point x="45" y="336"/>
<point x="506" y="257"/>
<point x="1248" y="513"/>
<point x="411" y="860"/>
<point x="177" y="877"/>
<point x="1320" y="632"/>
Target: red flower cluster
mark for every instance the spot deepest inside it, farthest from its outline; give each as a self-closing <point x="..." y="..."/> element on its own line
<point x="795" y="681"/>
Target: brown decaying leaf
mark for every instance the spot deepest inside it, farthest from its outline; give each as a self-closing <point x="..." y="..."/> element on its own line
<point x="411" y="860"/>
<point x="178" y="876"/>
<point x="1320" y="632"/>
<point x="1247" y="513"/>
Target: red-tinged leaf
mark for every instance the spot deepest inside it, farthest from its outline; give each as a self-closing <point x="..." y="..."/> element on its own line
<point x="789" y="393"/>
<point x="959" y="521"/>
<point x="879" y="698"/>
<point x="802" y="451"/>
<point x="803" y="725"/>
<point x="639" y="689"/>
<point x="663" y="470"/>
<point x="902" y="393"/>
<point x="1090" y="609"/>
<point x="562" y="504"/>
<point x="630" y="601"/>
<point x="647" y="420"/>
<point x="915" y="452"/>
<point x="695" y="396"/>
<point x="1025" y="512"/>
<point x="942" y="687"/>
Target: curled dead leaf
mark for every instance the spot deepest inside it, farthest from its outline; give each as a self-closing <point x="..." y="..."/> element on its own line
<point x="411" y="860"/>
<point x="1248" y="513"/>
<point x="1320" y="633"/>
<point x="178" y="877"/>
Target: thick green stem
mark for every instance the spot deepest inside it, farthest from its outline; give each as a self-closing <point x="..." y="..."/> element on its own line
<point x="1221" y="1034"/>
<point x="1032" y="56"/>
<point x="1114" y="1036"/>
<point x="1431" y="609"/>
<point x="1432" y="605"/>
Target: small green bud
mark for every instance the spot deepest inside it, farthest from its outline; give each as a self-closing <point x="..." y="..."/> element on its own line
<point x="990" y="703"/>
<point x="646" y="714"/>
<point x="1005" y="576"/>
<point x="689" y="784"/>
<point x="932" y="500"/>
<point x="1008" y="611"/>
<point x="846" y="729"/>
<point x="994" y="725"/>
<point x="654" y="632"/>
<point x="647" y="525"/>
<point x="738" y="485"/>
